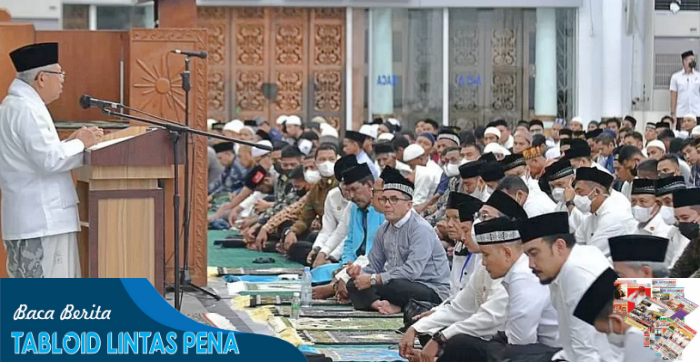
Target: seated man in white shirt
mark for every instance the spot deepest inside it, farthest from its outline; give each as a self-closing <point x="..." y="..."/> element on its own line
<point x="569" y="270"/>
<point x="639" y="256"/>
<point x="515" y="165"/>
<point x="607" y="219"/>
<point x="426" y="174"/>
<point x="595" y="307"/>
<point x="560" y="175"/>
<point x="534" y="203"/>
<point x="468" y="325"/>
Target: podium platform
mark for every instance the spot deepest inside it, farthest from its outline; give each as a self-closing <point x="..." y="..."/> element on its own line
<point x="122" y="208"/>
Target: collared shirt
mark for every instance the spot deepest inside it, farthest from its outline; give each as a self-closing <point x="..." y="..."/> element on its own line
<point x="334" y="208"/>
<point x="606" y="163"/>
<point x="694" y="180"/>
<point x="403" y="220"/>
<point x="676" y="242"/>
<point x="231" y="180"/>
<point x="426" y="182"/>
<point x="363" y="226"/>
<point x="576" y="217"/>
<point x="687" y="85"/>
<point x="478" y="310"/>
<point x="627" y="190"/>
<point x="364" y="158"/>
<point x="411" y="252"/>
<point x="531" y="317"/>
<point x="608" y="221"/>
<point x="463" y="267"/>
<point x="314" y="205"/>
<point x="580" y="340"/>
<point x="289" y="197"/>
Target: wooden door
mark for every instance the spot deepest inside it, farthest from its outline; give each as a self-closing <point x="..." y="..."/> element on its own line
<point x="300" y="51"/>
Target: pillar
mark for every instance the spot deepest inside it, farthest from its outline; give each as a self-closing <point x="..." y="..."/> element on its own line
<point x="612" y="37"/>
<point x="177" y="13"/>
<point x="546" y="64"/>
<point x="381" y="60"/>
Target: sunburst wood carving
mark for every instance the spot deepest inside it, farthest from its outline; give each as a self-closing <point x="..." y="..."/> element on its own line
<point x="160" y="87"/>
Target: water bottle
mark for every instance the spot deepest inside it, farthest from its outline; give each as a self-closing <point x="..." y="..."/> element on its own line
<point x="306" y="288"/>
<point x="296" y="305"/>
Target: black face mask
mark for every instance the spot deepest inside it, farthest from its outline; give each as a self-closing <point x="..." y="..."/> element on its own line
<point x="690" y="230"/>
<point x="301" y="192"/>
<point x="666" y="174"/>
<point x="692" y="64"/>
<point x="279" y="169"/>
<point x="633" y="171"/>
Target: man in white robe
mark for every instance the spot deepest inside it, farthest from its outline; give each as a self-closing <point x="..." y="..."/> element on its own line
<point x="595" y="307"/>
<point x="40" y="222"/>
<point x="607" y="218"/>
<point x="569" y="269"/>
<point x="560" y="176"/>
<point x="534" y="202"/>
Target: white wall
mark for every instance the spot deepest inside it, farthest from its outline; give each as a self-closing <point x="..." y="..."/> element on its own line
<point x="33" y="9"/>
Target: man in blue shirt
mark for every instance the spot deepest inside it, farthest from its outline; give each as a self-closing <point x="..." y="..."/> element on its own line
<point x="231" y="180"/>
<point x="352" y="145"/>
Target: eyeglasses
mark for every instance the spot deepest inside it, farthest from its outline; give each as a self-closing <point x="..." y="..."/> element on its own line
<point x="392" y="200"/>
<point x="61" y="73"/>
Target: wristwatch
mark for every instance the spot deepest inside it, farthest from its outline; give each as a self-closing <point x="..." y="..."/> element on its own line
<point x="439" y="338"/>
<point x="570" y="203"/>
<point x="373" y="280"/>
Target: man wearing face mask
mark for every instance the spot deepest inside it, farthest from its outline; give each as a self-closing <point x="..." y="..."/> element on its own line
<point x="453" y="161"/>
<point x="628" y="158"/>
<point x="568" y="269"/>
<point x="607" y="218"/>
<point x="491" y="173"/>
<point x="686" y="204"/>
<point x="514" y="164"/>
<point x="323" y="180"/>
<point x="534" y="203"/>
<point x="685" y="88"/>
<point x="639" y="256"/>
<point x="596" y="309"/>
<point x="561" y="176"/>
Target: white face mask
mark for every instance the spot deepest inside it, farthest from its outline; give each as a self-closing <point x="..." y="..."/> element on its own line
<point x="642" y="214"/>
<point x="583" y="203"/>
<point x="558" y="194"/>
<point x="668" y="215"/>
<point x="490" y="190"/>
<point x="312" y="176"/>
<point x="326" y="169"/>
<point x="452" y="169"/>
<point x="614" y="338"/>
<point x="464" y="160"/>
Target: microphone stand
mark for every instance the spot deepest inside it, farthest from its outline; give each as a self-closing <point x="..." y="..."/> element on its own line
<point x="176" y="132"/>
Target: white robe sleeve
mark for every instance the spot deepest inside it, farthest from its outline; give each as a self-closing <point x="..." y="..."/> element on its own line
<point x="526" y="302"/>
<point x="46" y="152"/>
<point x="584" y="337"/>
<point x="328" y="224"/>
<point x="609" y="226"/>
<point x="338" y="235"/>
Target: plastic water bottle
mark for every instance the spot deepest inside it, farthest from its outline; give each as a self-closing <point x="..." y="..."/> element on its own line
<point x="306" y="288"/>
<point x="296" y="305"/>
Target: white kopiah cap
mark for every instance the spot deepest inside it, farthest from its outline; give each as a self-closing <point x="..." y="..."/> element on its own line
<point x="658" y="144"/>
<point x="328" y="131"/>
<point x="385" y="137"/>
<point x="305" y="146"/>
<point x="259" y="152"/>
<point x="412" y="152"/>
<point x="293" y="121"/>
<point x="495" y="148"/>
<point x="494" y="131"/>
<point x="234" y="126"/>
<point x="577" y="120"/>
<point x="281" y="119"/>
<point x="369" y="130"/>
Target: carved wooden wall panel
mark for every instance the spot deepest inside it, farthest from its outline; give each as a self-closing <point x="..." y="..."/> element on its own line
<point x="300" y="50"/>
<point x="155" y="87"/>
<point x="217" y="21"/>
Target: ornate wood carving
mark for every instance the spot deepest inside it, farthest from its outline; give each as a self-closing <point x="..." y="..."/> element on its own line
<point x="423" y="80"/>
<point x="250" y="44"/>
<point x="328" y="45"/>
<point x="329" y="13"/>
<point x="327" y="65"/>
<point x="289" y="44"/>
<point x="465" y="60"/>
<point x="154" y="87"/>
<point x="506" y="37"/>
<point x="249" y="68"/>
<point x="328" y="91"/>
<point x="216" y="21"/>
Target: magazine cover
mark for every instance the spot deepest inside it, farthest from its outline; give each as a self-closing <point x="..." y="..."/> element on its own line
<point x="681" y="307"/>
<point x="663" y="283"/>
<point x="660" y="327"/>
<point x="674" y="341"/>
<point x="637" y="292"/>
<point x="647" y="339"/>
<point x="620" y="307"/>
<point x="667" y="293"/>
<point x="646" y="313"/>
<point x="620" y="292"/>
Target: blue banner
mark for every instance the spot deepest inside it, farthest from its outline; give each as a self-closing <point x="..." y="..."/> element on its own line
<point x="115" y="320"/>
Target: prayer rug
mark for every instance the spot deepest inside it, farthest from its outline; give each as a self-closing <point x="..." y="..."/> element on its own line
<point x="212" y="319"/>
<point x="260" y="300"/>
<point x="344" y="324"/>
<point x="274" y="288"/>
<point x="368" y="354"/>
<point x="258" y="271"/>
<point x="352" y="337"/>
<point x="332" y="312"/>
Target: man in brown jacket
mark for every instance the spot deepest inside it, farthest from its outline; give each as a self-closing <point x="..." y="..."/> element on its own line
<point x="298" y="241"/>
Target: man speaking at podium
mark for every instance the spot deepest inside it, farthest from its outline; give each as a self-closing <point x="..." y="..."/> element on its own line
<point x="40" y="222"/>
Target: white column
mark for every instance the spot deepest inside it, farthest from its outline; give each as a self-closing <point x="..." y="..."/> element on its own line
<point x="92" y="17"/>
<point x="381" y="62"/>
<point x="546" y="64"/>
<point x="589" y="79"/>
<point x="612" y="34"/>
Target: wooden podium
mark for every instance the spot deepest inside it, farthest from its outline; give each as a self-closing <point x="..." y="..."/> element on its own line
<point x="122" y="206"/>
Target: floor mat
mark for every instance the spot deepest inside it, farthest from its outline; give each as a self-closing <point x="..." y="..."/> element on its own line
<point x="341" y="324"/>
<point x="258" y="271"/>
<point x="346" y="311"/>
<point x="274" y="288"/>
<point x="352" y="337"/>
<point x="239" y="257"/>
<point x="367" y="354"/>
<point x="251" y="301"/>
<point x="212" y="319"/>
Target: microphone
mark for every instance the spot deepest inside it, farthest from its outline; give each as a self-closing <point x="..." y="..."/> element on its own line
<point x="86" y="102"/>
<point x="190" y="53"/>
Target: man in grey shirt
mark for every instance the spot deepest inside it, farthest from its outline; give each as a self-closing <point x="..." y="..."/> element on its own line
<point x="215" y="167"/>
<point x="407" y="260"/>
